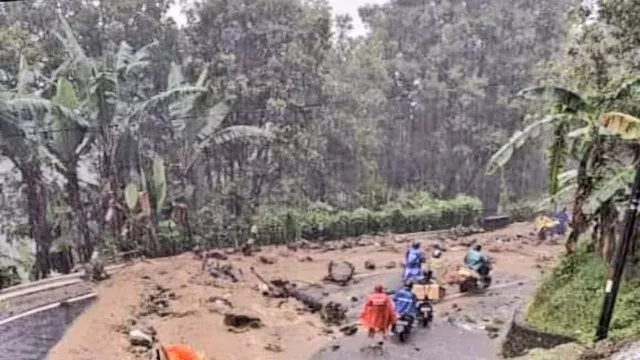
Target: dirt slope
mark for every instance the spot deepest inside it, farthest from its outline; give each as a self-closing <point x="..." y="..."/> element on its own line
<point x="288" y="333"/>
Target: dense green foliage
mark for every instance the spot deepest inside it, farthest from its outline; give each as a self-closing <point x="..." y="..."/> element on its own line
<point x="286" y="226"/>
<point x="570" y="299"/>
<point x="257" y="105"/>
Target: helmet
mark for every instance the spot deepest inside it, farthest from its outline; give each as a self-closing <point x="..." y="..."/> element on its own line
<point x="415" y="245"/>
<point x="408" y="284"/>
<point x="477" y="247"/>
<point x="436" y="253"/>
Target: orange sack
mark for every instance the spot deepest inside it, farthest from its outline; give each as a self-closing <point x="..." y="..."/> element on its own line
<point x="378" y="314"/>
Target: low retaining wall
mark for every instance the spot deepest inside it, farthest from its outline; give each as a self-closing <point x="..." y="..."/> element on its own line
<point x="30" y="336"/>
<point x="521" y="337"/>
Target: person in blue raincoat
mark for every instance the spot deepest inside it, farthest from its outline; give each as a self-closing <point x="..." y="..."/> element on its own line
<point x="405" y="302"/>
<point x="563" y="219"/>
<point x="413" y="263"/>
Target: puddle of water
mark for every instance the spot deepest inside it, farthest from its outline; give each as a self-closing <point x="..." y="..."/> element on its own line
<point x="31" y="337"/>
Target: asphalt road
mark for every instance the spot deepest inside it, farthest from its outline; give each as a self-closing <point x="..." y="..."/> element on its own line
<point x="458" y="334"/>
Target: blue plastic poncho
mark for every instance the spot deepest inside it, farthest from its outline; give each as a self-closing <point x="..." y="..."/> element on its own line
<point x="405" y="302"/>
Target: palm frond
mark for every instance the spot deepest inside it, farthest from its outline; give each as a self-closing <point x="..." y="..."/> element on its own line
<point x="226" y="135"/>
<point x="559" y="95"/>
<point x="176" y="78"/>
<point x="166" y="98"/>
<point x="619" y="183"/>
<point x="202" y="129"/>
<point x="37" y="106"/>
<point x="501" y="157"/>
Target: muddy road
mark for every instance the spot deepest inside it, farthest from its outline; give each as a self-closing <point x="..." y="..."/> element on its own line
<point x="290" y="332"/>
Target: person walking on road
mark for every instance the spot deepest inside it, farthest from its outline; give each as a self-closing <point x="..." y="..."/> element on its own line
<point x="378" y="315"/>
<point x="413" y="263"/>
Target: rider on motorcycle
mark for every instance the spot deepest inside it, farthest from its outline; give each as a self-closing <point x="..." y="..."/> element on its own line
<point x="413" y="260"/>
<point x="476" y="261"/>
<point x="405" y="302"/>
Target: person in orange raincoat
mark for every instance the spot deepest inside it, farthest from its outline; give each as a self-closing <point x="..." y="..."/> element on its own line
<point x="378" y="315"/>
<point x="176" y="352"/>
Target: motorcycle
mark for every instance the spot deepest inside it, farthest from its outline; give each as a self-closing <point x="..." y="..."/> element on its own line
<point x="425" y="313"/>
<point x="473" y="281"/>
<point x="403" y="326"/>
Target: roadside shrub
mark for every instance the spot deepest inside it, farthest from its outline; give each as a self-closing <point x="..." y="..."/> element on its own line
<point x="569" y="301"/>
<point x="424" y="214"/>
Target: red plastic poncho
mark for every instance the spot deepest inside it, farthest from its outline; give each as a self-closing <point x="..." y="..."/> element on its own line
<point x="378" y="314"/>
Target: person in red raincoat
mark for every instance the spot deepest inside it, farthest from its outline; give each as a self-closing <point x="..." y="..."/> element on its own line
<point x="378" y="315"/>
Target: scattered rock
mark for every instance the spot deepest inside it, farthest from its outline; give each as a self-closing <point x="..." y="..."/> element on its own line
<point x="369" y="265"/>
<point x="274" y="347"/>
<point x="221" y="305"/>
<point x="306" y="259"/>
<point x="468" y="242"/>
<point x="139" y="338"/>
<point x="333" y="313"/>
<point x="242" y="321"/>
<point x="213" y="254"/>
<point x="390" y="265"/>
<point x="225" y="272"/>
<point x="157" y="302"/>
<point x="335" y="347"/>
<point x="267" y="260"/>
<point x="349" y="329"/>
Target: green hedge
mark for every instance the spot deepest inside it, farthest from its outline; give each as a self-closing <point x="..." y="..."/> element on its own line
<point x="286" y="226"/>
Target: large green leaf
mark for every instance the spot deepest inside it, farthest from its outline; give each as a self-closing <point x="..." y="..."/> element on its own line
<point x="563" y="195"/>
<point x="166" y="98"/>
<point x="619" y="182"/>
<point x="82" y="66"/>
<point x="229" y="134"/>
<point x="37" y="106"/>
<point x="202" y="79"/>
<point x="25" y="76"/>
<point x="201" y="129"/>
<point x="159" y="182"/>
<point x="131" y="195"/>
<point x="68" y="135"/>
<point x="519" y="138"/>
<point x="127" y="157"/>
<point x="176" y="78"/>
<point x="558" y="95"/>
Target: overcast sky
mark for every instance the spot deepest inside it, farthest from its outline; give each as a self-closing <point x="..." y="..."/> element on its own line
<point x="339" y="7"/>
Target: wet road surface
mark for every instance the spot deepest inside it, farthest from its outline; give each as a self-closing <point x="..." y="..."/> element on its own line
<point x="31" y="337"/>
<point x="458" y="333"/>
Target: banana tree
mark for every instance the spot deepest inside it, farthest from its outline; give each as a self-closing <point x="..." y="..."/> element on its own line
<point x="203" y="126"/>
<point x="116" y="102"/>
<point x="19" y="111"/>
<point x="574" y="122"/>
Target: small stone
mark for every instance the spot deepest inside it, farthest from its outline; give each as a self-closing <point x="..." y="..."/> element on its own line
<point x="139" y="338"/>
<point x="335" y="347"/>
<point x="274" y="348"/>
<point x="369" y="265"/>
<point x="391" y="265"/>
